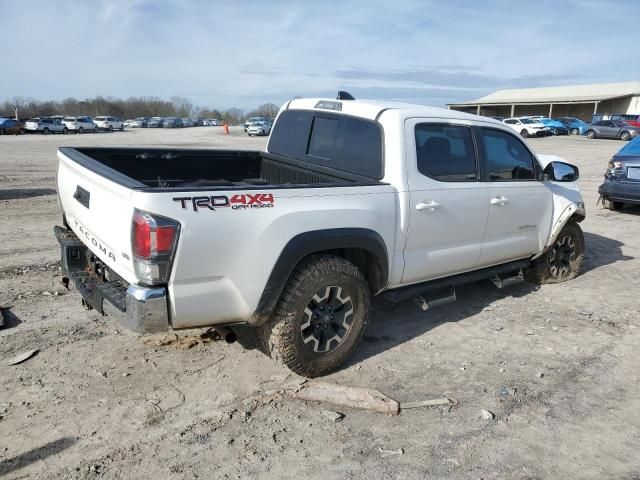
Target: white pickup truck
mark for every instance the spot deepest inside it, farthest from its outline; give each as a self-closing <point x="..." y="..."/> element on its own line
<point x="351" y="199"/>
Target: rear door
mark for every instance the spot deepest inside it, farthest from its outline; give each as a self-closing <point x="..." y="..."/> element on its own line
<point x="448" y="205"/>
<point x="520" y="204"/>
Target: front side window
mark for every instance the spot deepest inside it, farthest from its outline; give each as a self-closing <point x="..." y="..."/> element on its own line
<point x="506" y="157"/>
<point x="446" y="152"/>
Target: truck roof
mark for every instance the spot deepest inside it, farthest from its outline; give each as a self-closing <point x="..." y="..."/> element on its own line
<point x="371" y="109"/>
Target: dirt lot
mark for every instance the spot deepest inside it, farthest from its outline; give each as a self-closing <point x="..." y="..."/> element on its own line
<point x="558" y="365"/>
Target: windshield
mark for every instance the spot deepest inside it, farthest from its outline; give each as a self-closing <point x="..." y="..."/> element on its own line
<point x="619" y="123"/>
<point x="528" y="121"/>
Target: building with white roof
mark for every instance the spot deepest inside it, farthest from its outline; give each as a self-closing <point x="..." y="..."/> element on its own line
<point x="581" y="101"/>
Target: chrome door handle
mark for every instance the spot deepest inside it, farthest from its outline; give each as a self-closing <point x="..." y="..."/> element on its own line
<point x="499" y="200"/>
<point x="430" y="205"/>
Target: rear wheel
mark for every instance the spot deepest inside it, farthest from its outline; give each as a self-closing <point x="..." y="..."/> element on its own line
<point x="575" y="131"/>
<point x="81" y="130"/>
<point x="45" y="131"/>
<point x="562" y="261"/>
<point x="320" y="318"/>
<point x="524" y="133"/>
<point x="625" y="136"/>
<point x="65" y="130"/>
<point x="591" y="134"/>
<point x="612" y="205"/>
<point x="111" y="128"/>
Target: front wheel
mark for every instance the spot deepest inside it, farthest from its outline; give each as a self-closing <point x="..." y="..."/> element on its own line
<point x="591" y="134"/>
<point x="320" y="318"/>
<point x="611" y="205"/>
<point x="562" y="261"/>
<point x="65" y="130"/>
<point x="45" y="131"/>
<point x="625" y="136"/>
<point x="81" y="130"/>
<point x="575" y="131"/>
<point x="524" y="133"/>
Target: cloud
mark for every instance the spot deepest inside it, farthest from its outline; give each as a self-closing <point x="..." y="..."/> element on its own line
<point x="242" y="53"/>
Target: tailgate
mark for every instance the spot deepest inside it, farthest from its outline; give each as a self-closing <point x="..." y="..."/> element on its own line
<point x="99" y="211"/>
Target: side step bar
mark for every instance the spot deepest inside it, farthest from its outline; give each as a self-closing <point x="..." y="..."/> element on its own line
<point x="507" y="274"/>
<point x="425" y="302"/>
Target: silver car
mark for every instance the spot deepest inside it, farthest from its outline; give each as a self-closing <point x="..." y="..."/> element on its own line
<point x="613" y="129"/>
<point x="80" y="124"/>
<point x="45" y="125"/>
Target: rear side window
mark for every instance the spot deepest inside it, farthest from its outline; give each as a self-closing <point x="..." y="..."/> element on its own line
<point x="506" y="157"/>
<point x="345" y="143"/>
<point x="446" y="153"/>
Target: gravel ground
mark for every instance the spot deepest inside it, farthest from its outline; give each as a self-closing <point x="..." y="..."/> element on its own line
<point x="556" y="365"/>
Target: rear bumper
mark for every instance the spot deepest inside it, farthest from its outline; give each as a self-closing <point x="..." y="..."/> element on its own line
<point x="627" y="192"/>
<point x="138" y="308"/>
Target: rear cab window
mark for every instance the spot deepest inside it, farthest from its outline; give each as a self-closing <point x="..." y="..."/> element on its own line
<point x="350" y="144"/>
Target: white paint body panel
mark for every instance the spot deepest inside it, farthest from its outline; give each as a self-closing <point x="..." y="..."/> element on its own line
<point x="224" y="257"/>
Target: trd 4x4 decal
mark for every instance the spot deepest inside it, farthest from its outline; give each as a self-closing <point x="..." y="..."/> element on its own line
<point x="236" y="202"/>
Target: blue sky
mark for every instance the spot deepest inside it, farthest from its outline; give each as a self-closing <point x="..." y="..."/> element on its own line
<point x="242" y="53"/>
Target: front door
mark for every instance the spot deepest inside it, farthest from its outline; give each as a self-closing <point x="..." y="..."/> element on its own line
<point x="520" y="204"/>
<point x="448" y="206"/>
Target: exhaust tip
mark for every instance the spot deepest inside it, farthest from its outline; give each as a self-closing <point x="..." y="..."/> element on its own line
<point x="226" y="334"/>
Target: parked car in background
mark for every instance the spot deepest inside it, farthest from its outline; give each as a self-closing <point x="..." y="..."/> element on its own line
<point x="259" y="128"/>
<point x="140" y="122"/>
<point x="128" y="123"/>
<point x="554" y="126"/>
<point x="612" y="129"/>
<point x="45" y="125"/>
<point x="215" y="122"/>
<point x="109" y="123"/>
<point x="527" y="127"/>
<point x="622" y="178"/>
<point x="9" y="126"/>
<point x="498" y="118"/>
<point x="173" y="122"/>
<point x="187" y="122"/>
<point x="574" y="125"/>
<point x="252" y="120"/>
<point x="80" y="124"/>
<point x="156" y="122"/>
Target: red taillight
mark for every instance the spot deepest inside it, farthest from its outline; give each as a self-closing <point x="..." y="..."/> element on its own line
<point x="153" y="241"/>
<point x="153" y="236"/>
<point x="141" y="236"/>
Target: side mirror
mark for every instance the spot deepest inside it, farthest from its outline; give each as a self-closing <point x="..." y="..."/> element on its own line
<point x="562" y="172"/>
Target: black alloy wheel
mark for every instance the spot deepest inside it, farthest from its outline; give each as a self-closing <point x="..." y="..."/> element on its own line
<point x="327" y="320"/>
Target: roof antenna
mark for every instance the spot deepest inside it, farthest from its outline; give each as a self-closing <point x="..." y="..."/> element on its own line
<point x="342" y="95"/>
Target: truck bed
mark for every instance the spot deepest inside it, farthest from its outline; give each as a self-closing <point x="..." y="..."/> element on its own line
<point x="161" y="169"/>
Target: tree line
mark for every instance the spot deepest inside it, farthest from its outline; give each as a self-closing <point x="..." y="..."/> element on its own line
<point x="128" y="108"/>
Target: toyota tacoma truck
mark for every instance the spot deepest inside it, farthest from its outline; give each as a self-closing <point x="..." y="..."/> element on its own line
<point x="351" y="199"/>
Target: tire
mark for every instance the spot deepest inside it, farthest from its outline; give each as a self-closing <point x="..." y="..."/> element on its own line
<point x="319" y="288"/>
<point x="122" y="128"/>
<point x="22" y="131"/>
<point x="65" y="131"/>
<point x="591" y="134"/>
<point x="625" y="136"/>
<point x="575" y="131"/>
<point x="613" y="205"/>
<point x="111" y="128"/>
<point x="562" y="261"/>
<point x="2" y="132"/>
<point x="45" y="131"/>
<point x="81" y="130"/>
<point x="524" y="133"/>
